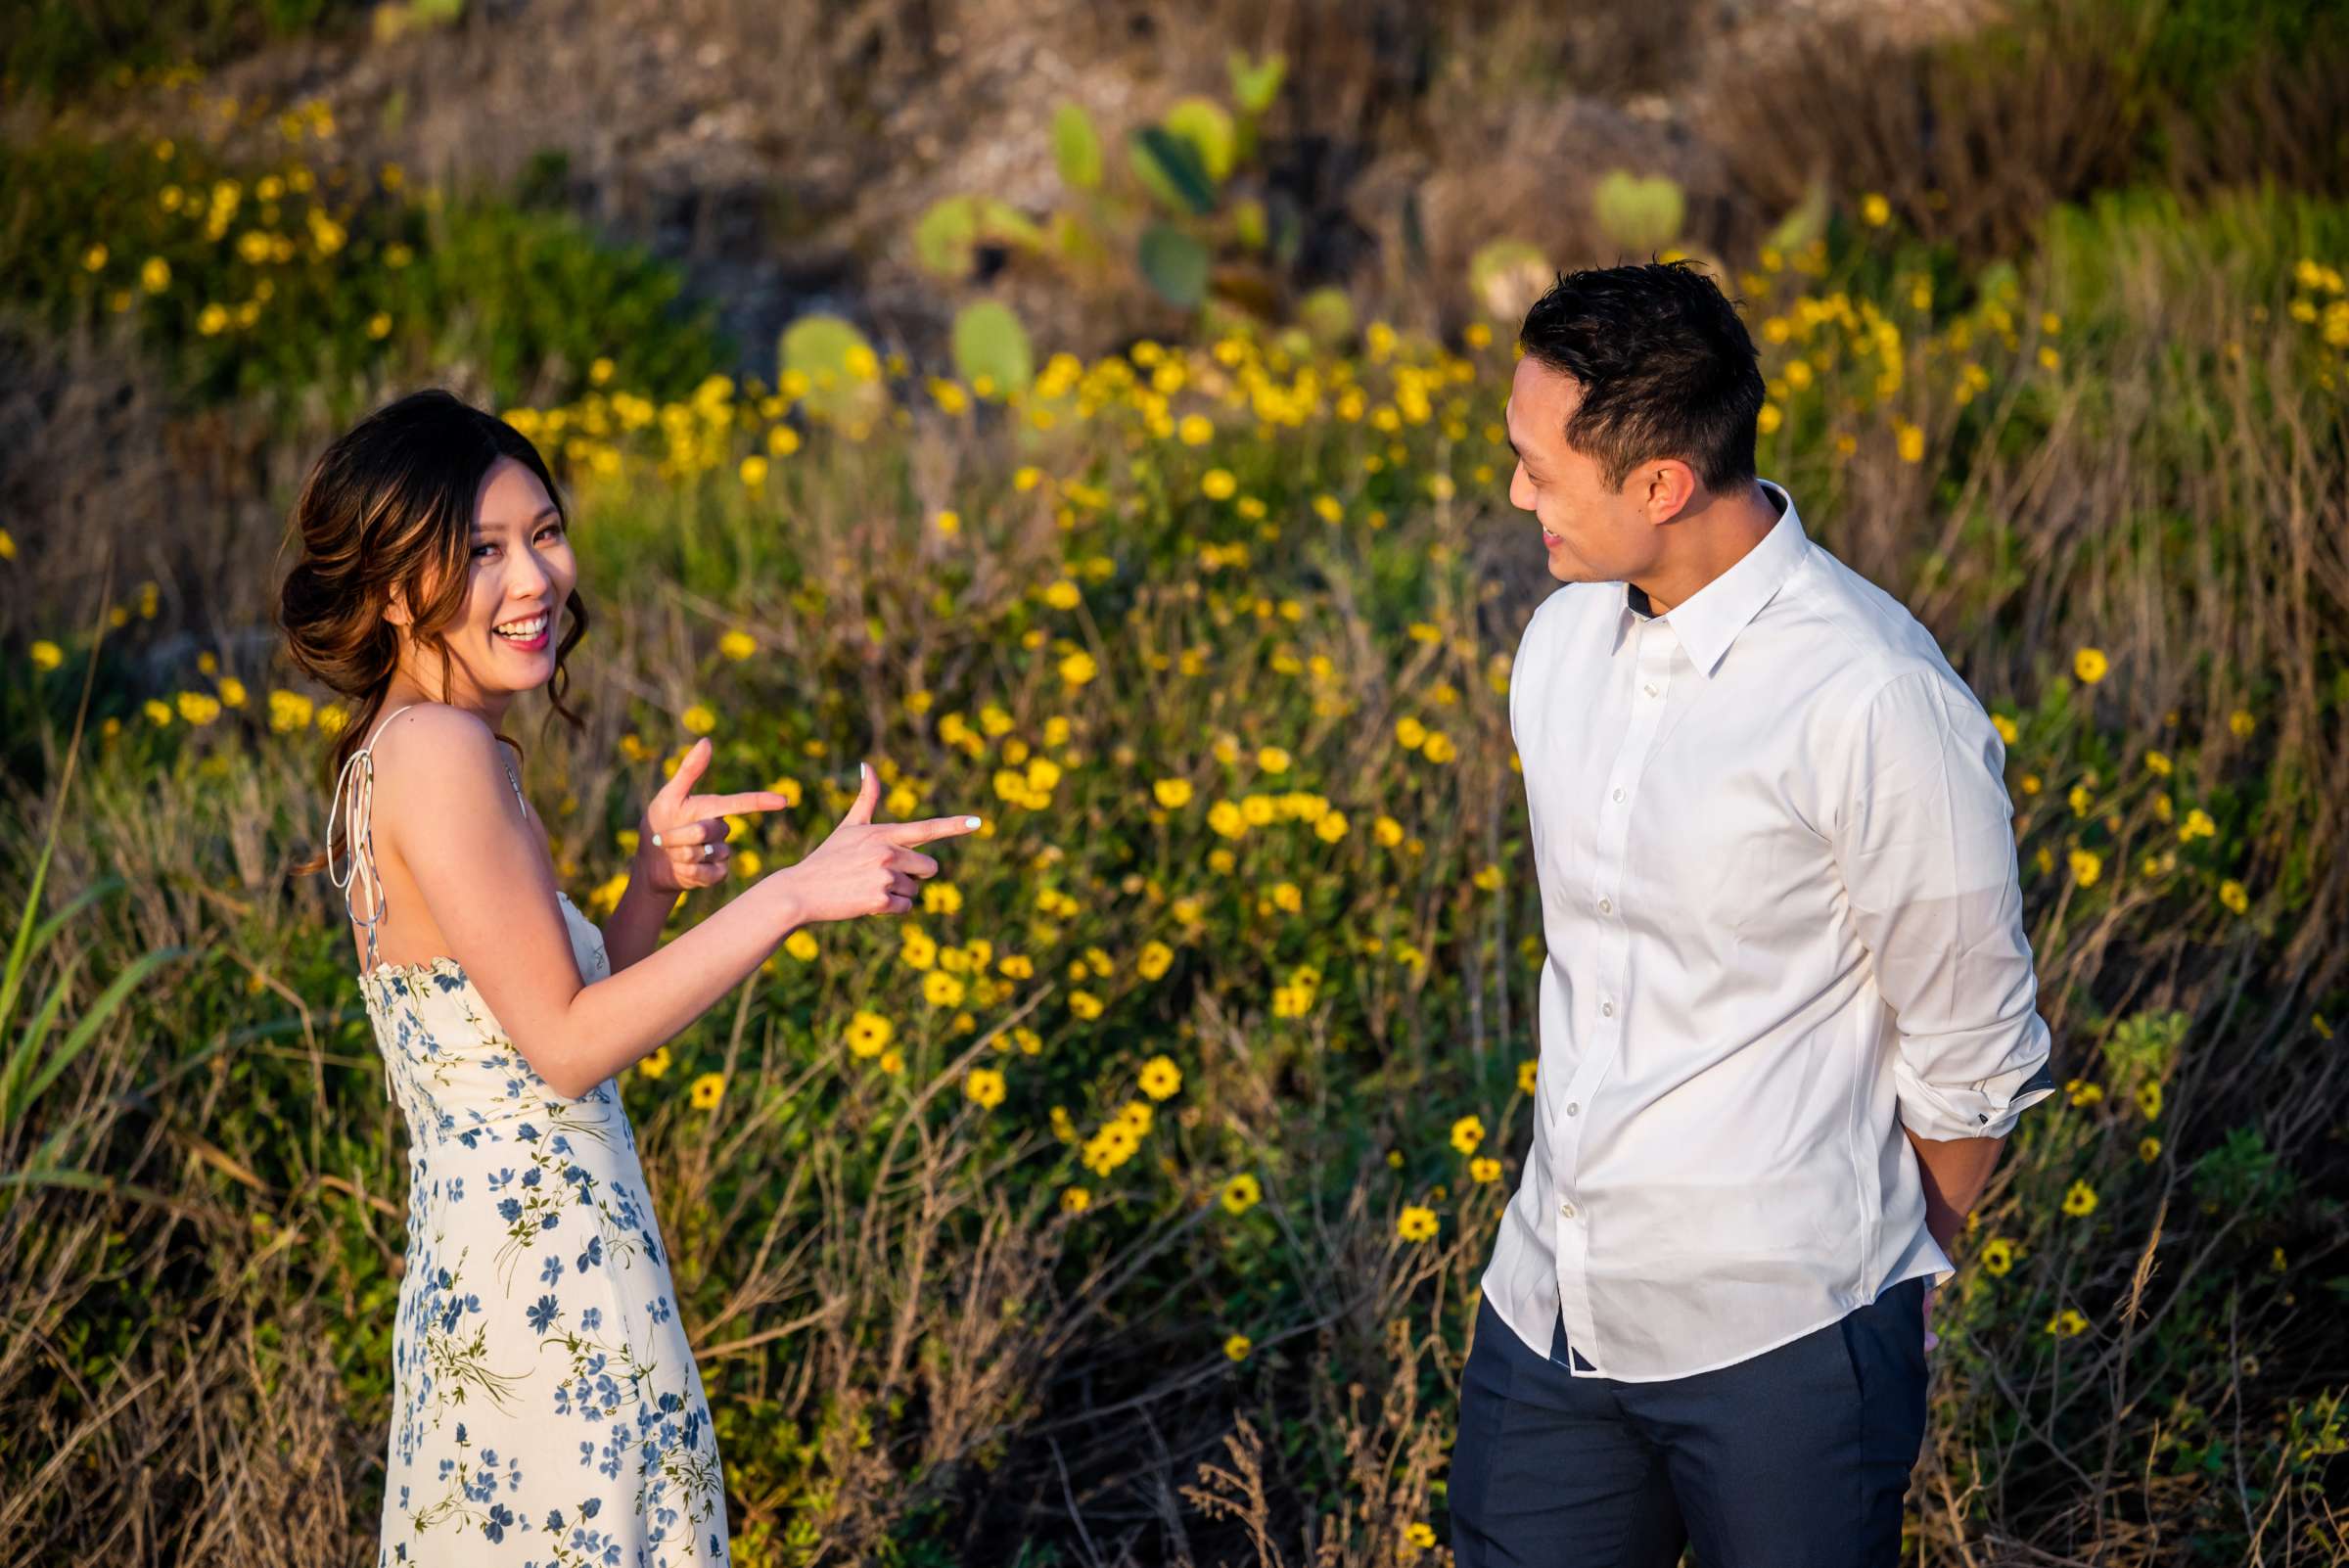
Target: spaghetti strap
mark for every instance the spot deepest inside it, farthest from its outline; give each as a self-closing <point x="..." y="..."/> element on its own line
<point x="358" y="834"/>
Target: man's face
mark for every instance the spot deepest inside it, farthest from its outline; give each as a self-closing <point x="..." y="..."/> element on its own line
<point x="1591" y="533"/>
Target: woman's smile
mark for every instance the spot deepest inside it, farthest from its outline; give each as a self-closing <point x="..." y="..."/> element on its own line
<point x="528" y="633"/>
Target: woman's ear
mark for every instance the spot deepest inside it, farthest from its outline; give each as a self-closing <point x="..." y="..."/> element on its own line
<point x="395" y="610"/>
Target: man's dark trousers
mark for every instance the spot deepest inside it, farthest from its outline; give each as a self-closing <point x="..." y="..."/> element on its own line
<point x="1797" y="1457"/>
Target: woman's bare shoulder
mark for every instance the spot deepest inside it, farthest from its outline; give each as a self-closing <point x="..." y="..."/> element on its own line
<point x="433" y="761"/>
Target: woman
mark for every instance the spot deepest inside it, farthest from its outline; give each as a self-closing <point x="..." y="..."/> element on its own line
<point x="546" y="1409"/>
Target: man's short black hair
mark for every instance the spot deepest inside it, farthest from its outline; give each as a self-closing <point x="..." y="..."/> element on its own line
<point x="1665" y="364"/>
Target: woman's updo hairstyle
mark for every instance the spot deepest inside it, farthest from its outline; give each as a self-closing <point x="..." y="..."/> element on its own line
<point x="390" y="504"/>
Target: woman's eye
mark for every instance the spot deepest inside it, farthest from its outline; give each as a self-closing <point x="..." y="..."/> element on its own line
<point x="553" y="529"/>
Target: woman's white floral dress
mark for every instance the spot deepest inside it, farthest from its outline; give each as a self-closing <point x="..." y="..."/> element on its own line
<point x="547" y="1409"/>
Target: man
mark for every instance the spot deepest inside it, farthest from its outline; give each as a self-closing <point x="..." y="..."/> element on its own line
<point x="1788" y="1012"/>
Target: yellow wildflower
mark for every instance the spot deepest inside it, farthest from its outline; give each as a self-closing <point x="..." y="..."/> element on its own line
<point x="1467" y="1134"/>
<point x="869" y="1034"/>
<point x="1240" y="1193"/>
<point x="1161" y="1077"/>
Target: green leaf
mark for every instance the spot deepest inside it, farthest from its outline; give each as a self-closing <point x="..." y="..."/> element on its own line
<point x="1075" y="148"/>
<point x="1806" y="222"/>
<point x="1007" y="225"/>
<point x="1506" y="276"/>
<point x="990" y="342"/>
<point x="1249" y="224"/>
<point x="1639" y="215"/>
<point x="1170" y="167"/>
<point x="1327" y="315"/>
<point x="1255" y="86"/>
<point x="946" y="238"/>
<point x="844" y="383"/>
<point x="1207" y="127"/>
<point x="1176" y="264"/>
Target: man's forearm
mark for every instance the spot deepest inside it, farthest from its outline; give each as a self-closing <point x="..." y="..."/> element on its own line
<point x="1955" y="1174"/>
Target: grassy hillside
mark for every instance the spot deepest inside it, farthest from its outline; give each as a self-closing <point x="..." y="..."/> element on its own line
<point x="1126" y="1201"/>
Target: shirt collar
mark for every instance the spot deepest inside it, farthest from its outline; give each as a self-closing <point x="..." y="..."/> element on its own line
<point x="1709" y="619"/>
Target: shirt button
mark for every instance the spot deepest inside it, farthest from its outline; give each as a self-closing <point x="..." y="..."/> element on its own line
<point x="1573" y="1108"/>
<point x="1566" y="1209"/>
<point x="1651" y="688"/>
<point x="1607" y="1009"/>
<point x="1606" y="906"/>
<point x="1619" y="794"/>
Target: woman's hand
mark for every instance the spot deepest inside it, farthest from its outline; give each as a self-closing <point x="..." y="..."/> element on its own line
<point x="681" y="838"/>
<point x="867" y="868"/>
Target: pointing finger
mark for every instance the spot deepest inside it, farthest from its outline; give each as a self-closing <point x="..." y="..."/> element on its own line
<point x="908" y="834"/>
<point x="736" y="805"/>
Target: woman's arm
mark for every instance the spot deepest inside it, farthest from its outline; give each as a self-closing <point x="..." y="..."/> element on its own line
<point x="490" y="888"/>
<point x="445" y="804"/>
<point x="634" y="929"/>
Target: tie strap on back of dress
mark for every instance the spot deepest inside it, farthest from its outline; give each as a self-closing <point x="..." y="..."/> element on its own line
<point x="358" y="843"/>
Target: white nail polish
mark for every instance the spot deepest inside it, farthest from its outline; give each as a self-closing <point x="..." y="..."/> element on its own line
<point x="970" y="821"/>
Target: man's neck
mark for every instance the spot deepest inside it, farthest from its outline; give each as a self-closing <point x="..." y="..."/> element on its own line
<point x="1717" y="536"/>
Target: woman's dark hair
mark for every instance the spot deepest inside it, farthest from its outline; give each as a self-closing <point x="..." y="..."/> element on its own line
<point x="1665" y="365"/>
<point x="390" y="504"/>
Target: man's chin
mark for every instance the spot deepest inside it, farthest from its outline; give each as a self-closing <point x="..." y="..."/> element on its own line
<point x="1566" y="569"/>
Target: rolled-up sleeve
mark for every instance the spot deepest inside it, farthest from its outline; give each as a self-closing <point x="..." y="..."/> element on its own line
<point x="1924" y="838"/>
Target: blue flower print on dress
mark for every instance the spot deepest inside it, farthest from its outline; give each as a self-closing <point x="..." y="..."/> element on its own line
<point x="546" y="1410"/>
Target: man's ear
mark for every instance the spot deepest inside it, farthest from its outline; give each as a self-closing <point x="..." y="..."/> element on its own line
<point x="1668" y="485"/>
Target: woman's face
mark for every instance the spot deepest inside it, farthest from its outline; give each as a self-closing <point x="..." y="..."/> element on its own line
<point x="520" y="573"/>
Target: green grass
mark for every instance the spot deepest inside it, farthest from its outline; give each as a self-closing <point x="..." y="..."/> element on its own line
<point x="2161" y="487"/>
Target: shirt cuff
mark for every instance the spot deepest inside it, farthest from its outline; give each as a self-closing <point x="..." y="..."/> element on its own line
<point x="1945" y="1112"/>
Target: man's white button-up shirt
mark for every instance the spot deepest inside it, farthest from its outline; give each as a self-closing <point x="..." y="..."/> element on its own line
<point x="1779" y="887"/>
